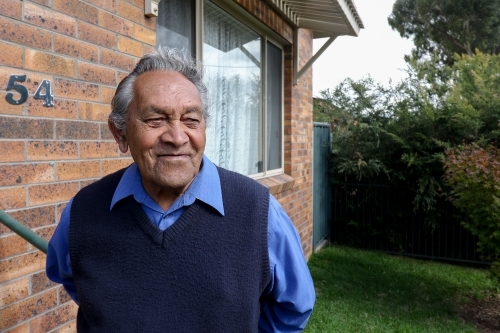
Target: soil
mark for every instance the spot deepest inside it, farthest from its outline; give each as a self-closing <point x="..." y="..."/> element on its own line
<point x="484" y="314"/>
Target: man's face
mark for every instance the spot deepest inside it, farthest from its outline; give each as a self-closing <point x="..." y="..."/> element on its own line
<point x="165" y="131"/>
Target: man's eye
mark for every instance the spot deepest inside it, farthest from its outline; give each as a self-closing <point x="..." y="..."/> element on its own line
<point x="155" y="122"/>
<point x="191" y="121"/>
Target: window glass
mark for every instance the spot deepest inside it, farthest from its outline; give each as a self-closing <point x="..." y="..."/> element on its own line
<point x="245" y="129"/>
<point x="232" y="61"/>
<point x="175" y="25"/>
<point x="274" y="106"/>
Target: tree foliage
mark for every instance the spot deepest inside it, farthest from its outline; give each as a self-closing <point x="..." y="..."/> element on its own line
<point x="474" y="100"/>
<point x="473" y="173"/>
<point x="444" y="27"/>
<point x="399" y="134"/>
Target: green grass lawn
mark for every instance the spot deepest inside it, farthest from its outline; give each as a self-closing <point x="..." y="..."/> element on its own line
<point x="362" y="291"/>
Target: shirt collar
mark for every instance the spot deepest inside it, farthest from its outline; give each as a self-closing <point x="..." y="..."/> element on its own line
<point x="205" y="187"/>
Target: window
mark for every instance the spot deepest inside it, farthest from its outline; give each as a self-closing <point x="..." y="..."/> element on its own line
<point x="175" y="25"/>
<point x="244" y="76"/>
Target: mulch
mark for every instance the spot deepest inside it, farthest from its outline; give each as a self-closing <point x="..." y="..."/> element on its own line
<point x="484" y="314"/>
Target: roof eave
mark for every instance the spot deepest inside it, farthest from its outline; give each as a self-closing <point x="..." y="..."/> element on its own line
<point x="351" y="16"/>
<point x="345" y="21"/>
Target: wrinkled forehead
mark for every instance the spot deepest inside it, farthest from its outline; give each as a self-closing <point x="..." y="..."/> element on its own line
<point x="165" y="89"/>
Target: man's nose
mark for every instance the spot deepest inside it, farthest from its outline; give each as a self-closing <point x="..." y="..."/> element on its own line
<point x="175" y="134"/>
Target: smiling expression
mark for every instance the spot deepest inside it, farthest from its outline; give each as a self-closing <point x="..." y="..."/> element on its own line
<point x="165" y="132"/>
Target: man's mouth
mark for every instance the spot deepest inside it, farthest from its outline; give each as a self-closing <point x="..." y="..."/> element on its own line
<point x="173" y="156"/>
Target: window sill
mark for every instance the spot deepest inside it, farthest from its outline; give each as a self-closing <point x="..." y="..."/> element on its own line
<point x="278" y="183"/>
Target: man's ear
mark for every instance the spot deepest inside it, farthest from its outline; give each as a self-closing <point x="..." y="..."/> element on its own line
<point x="119" y="136"/>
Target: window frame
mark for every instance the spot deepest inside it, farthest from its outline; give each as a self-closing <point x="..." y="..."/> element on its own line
<point x="267" y="35"/>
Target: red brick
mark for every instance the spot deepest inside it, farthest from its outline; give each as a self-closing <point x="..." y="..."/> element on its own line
<point x="84" y="183"/>
<point x="5" y="74"/>
<point x="98" y="149"/>
<point x="68" y="328"/>
<point x="52" y="150"/>
<point x="48" y="19"/>
<point x="11" y="151"/>
<point x="130" y="46"/>
<point x="51" y="193"/>
<point x="11" y="8"/>
<point x="76" y="90"/>
<point x="106" y="133"/>
<point x="107" y="94"/>
<point x="115" y="23"/>
<point x="12" y="198"/>
<point x="21" y="265"/>
<point x="145" y="35"/>
<point x="130" y="12"/>
<point x="23" y="328"/>
<point x="40" y="282"/>
<point x="62" y="109"/>
<point x="78" y="9"/>
<point x="95" y="73"/>
<point x="12" y="245"/>
<point x="106" y="4"/>
<point x="59" y="209"/>
<point x="137" y="3"/>
<point x="96" y="35"/>
<point x="49" y="63"/>
<point x="32" y="217"/>
<point x="63" y="295"/>
<point x="94" y="111"/>
<point x="20" y="174"/>
<point x="149" y="22"/>
<point x="147" y="48"/>
<point x="13" y="291"/>
<point x="54" y="318"/>
<point x="44" y="232"/>
<point x="78" y="170"/>
<point x="25" y="309"/>
<point x="23" y="34"/>
<point x="7" y="108"/>
<point x="11" y="55"/>
<point x="76" y="48"/>
<point x="77" y="130"/>
<point x="33" y="80"/>
<point x="19" y="128"/>
<point x="117" y="60"/>
<point x="110" y="166"/>
<point x="42" y="2"/>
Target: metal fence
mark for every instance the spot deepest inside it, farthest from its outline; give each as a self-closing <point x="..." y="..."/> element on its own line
<point x="379" y="217"/>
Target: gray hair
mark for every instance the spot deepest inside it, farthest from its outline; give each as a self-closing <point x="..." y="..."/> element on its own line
<point x="161" y="59"/>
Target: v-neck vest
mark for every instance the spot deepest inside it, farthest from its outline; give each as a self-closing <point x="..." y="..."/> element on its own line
<point x="205" y="273"/>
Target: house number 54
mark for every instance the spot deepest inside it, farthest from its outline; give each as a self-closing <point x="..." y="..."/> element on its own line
<point x="43" y="92"/>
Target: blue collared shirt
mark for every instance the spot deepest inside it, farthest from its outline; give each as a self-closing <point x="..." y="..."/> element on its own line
<point x="291" y="289"/>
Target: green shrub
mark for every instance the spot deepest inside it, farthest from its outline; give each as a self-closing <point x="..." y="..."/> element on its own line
<point x="473" y="173"/>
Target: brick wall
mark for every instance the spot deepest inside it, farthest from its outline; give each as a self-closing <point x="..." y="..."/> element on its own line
<point x="294" y="192"/>
<point x="299" y="144"/>
<point x="85" y="47"/>
<point x="47" y="154"/>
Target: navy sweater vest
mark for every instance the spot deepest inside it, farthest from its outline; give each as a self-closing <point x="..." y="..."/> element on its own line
<point x="206" y="273"/>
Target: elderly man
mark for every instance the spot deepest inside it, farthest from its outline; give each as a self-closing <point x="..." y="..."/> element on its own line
<point x="174" y="243"/>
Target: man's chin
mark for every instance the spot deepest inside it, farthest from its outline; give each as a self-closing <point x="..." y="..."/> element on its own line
<point x="175" y="180"/>
<point x="173" y="159"/>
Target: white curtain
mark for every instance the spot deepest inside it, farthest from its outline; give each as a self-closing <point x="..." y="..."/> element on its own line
<point x="232" y="60"/>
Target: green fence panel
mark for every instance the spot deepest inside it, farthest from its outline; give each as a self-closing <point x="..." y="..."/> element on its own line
<point x="322" y="210"/>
